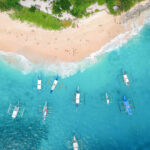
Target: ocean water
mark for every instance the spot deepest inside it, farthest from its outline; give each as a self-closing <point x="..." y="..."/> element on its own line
<point x="96" y="125"/>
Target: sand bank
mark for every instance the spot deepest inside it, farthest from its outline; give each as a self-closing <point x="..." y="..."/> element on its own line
<point x="69" y="45"/>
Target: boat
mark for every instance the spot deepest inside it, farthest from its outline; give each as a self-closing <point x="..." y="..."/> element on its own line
<point x="107" y="98"/>
<point x="15" y="111"/>
<point x="39" y="84"/>
<point x="54" y="84"/>
<point x="77" y="96"/>
<point x="127" y="106"/>
<point x="45" y="111"/>
<point x="75" y="144"/>
<point x="126" y="80"/>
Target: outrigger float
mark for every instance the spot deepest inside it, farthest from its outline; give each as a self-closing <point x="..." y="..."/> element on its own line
<point x="14" y="111"/>
<point x="75" y="144"/>
<point x="45" y="111"/>
<point x="54" y="84"/>
<point x="127" y="106"/>
<point x="125" y="79"/>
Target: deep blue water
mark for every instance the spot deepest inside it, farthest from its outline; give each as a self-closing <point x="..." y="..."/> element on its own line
<point x="96" y="125"/>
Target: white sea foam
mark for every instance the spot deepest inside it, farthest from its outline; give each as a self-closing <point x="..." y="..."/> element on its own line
<point x="17" y="61"/>
<point x="65" y="69"/>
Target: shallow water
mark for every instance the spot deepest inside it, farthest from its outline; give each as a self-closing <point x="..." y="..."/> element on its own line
<point x="96" y="125"/>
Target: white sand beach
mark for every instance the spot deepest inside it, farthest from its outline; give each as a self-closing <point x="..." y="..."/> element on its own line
<point x="68" y="45"/>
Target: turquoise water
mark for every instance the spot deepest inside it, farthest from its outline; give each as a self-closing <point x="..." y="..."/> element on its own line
<point x="96" y="125"/>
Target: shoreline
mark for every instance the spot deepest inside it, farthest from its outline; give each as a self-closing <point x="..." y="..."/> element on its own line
<point x="69" y="45"/>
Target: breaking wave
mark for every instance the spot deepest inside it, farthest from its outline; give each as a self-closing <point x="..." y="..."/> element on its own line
<point x="66" y="69"/>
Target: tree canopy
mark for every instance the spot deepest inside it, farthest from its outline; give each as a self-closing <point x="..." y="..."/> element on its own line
<point x="78" y="7"/>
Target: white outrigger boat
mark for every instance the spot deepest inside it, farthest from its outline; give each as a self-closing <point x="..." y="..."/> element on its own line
<point x="107" y="98"/>
<point x="54" y="84"/>
<point x="126" y="80"/>
<point x="77" y="100"/>
<point x="75" y="144"/>
<point x="39" y="83"/>
<point x="15" y="110"/>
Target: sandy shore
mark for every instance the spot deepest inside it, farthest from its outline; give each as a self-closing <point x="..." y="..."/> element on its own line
<point x="69" y="45"/>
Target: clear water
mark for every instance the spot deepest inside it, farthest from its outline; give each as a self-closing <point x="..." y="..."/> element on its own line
<point x="96" y="125"/>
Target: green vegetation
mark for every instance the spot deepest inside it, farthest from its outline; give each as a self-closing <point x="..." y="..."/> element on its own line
<point x="33" y="15"/>
<point x="123" y="5"/>
<point x="75" y="7"/>
<point x="78" y="7"/>
<point x="9" y="4"/>
<point x="67" y="23"/>
<point x="41" y="19"/>
<point x="127" y="4"/>
<point x="61" y="6"/>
